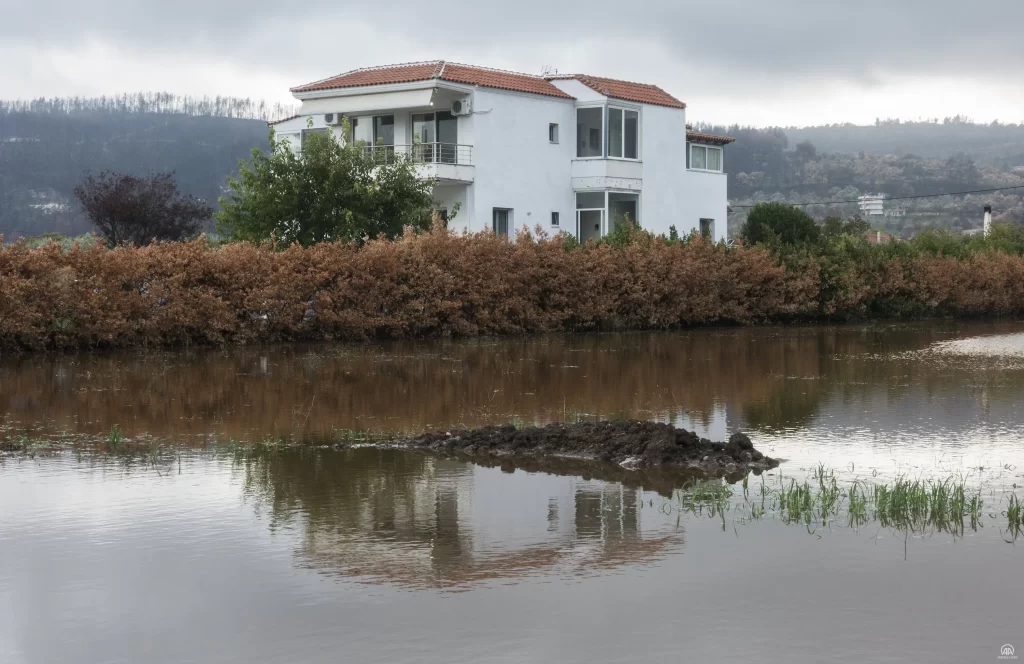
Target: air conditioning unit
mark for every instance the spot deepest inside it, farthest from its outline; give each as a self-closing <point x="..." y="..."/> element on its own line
<point x="462" y="106"/>
<point x="332" y="118"/>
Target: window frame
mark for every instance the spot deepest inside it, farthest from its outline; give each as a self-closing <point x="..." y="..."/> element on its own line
<point x="555" y="221"/>
<point x="721" y="158"/>
<point x="624" y="112"/>
<point x="603" y="129"/>
<point x="553" y="133"/>
<point x="509" y="221"/>
<point x="307" y="131"/>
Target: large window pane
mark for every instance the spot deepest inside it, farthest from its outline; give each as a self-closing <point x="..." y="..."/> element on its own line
<point x="588" y="132"/>
<point x="362" y="130"/>
<point x="698" y="157"/>
<point x="423" y="138"/>
<point x="714" y="159"/>
<point x="622" y="207"/>
<point x="448" y="137"/>
<point x="632" y="135"/>
<point x="384" y="130"/>
<point x="590" y="200"/>
<point x="614" y="132"/>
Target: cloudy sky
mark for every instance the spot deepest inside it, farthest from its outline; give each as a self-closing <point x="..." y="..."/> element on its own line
<point x="761" y="62"/>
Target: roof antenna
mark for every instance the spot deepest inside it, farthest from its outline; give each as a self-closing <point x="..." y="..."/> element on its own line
<point x="548" y="70"/>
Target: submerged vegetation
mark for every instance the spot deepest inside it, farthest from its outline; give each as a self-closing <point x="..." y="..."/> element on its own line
<point x="908" y="506"/>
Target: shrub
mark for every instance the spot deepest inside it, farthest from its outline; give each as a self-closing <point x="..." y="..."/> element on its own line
<point x="777" y="224"/>
<point x="439" y="284"/>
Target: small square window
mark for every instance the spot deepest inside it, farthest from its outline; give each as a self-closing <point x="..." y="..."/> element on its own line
<point x="554" y="218"/>
<point x="553" y="132"/>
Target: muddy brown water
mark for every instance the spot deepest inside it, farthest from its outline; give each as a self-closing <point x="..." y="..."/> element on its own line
<point x="218" y="553"/>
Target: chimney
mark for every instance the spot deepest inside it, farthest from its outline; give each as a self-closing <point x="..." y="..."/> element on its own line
<point x="878" y="237"/>
<point x="987" y="225"/>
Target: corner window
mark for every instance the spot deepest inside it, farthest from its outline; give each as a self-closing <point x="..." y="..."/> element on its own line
<point x="589" y="127"/>
<point x="623" y="133"/>
<point x="705" y="158"/>
<point x="553" y="132"/>
<point x="554" y="218"/>
<point x="502" y="221"/>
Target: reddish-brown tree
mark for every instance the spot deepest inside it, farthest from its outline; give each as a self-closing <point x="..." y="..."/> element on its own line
<point x="127" y="209"/>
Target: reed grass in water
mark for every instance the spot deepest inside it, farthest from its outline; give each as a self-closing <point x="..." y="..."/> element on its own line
<point x="913" y="506"/>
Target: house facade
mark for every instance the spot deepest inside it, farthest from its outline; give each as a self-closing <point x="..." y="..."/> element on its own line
<point x="510" y="151"/>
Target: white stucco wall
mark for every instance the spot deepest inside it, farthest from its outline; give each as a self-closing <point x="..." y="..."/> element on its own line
<point x="516" y="166"/>
<point x="705" y="197"/>
<point x="663" y="151"/>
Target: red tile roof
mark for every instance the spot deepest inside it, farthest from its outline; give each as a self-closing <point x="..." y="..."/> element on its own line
<point x="441" y="70"/>
<point x="642" y="93"/>
<point x="701" y="137"/>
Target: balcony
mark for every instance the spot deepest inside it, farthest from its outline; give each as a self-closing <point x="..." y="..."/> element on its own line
<point x="445" y="162"/>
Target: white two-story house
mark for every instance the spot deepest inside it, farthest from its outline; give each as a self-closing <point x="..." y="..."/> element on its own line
<point x="570" y="153"/>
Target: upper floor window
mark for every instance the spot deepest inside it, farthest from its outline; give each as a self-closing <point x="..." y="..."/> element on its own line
<point x="706" y="158"/>
<point x="589" y="127"/>
<point x="623" y="133"/>
<point x="553" y="132"/>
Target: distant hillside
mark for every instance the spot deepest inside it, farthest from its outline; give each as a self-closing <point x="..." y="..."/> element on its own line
<point x="997" y="144"/>
<point x="47" y="145"/>
<point x="839" y="163"/>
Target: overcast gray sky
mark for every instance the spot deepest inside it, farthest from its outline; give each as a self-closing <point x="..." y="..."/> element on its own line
<point x="762" y="62"/>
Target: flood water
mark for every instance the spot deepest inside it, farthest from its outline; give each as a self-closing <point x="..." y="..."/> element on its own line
<point x="209" y="549"/>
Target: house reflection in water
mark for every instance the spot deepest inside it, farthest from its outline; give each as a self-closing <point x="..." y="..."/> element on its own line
<point x="418" y="521"/>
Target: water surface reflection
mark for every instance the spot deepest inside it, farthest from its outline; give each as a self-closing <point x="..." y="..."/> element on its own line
<point x="420" y="521"/>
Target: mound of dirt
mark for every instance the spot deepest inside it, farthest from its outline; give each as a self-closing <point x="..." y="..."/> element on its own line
<point x="631" y="444"/>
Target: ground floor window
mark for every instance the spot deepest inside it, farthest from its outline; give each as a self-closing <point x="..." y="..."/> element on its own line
<point x="623" y="208"/>
<point x="502" y="221"/>
<point x="707" y="228"/>
<point x="599" y="212"/>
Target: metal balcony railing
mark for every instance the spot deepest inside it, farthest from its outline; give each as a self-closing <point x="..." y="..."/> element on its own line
<point x="425" y="153"/>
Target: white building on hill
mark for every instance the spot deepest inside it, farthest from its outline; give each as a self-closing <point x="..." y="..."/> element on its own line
<point x="569" y="153"/>
<point x="872" y="205"/>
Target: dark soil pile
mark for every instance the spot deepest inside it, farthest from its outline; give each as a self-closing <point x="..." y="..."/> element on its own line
<point x="630" y="444"/>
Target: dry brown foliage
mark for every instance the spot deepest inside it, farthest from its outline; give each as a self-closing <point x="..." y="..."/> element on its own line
<point x="440" y="284"/>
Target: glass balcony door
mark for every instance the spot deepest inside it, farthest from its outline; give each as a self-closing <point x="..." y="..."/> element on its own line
<point x="424" y="137"/>
<point x="435" y="137"/>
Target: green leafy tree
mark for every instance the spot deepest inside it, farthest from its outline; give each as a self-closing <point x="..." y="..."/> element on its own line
<point x="330" y="191"/>
<point x="779" y="224"/>
<point x="834" y="227"/>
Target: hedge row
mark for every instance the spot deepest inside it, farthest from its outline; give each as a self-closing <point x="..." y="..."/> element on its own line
<point x="438" y="284"/>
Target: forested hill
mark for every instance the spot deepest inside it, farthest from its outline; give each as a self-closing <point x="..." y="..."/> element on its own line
<point x="996" y="143"/>
<point x="46" y="146"/>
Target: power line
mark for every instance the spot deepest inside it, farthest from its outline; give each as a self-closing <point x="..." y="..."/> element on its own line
<point x="895" y="198"/>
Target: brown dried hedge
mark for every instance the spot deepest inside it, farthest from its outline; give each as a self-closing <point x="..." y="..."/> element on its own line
<point x="438" y="284"/>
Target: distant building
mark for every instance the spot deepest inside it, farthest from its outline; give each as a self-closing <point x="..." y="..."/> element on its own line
<point x="872" y="205"/>
<point x="898" y="211"/>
